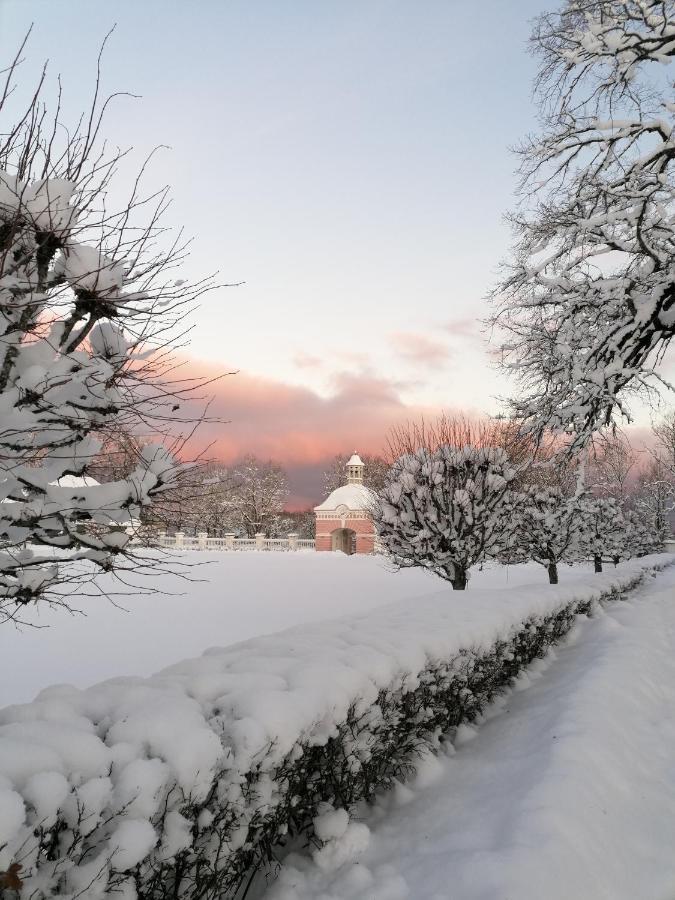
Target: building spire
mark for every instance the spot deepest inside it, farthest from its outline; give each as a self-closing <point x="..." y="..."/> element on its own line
<point x="355" y="469"/>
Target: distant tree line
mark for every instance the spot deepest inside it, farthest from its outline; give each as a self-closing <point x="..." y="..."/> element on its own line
<point x="483" y="486"/>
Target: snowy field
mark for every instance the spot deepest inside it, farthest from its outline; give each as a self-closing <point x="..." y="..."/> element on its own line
<point x="231" y="597"/>
<point x="566" y="790"/>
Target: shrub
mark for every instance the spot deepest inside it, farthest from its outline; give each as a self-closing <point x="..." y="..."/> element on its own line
<point x="445" y="509"/>
<point x="546" y="528"/>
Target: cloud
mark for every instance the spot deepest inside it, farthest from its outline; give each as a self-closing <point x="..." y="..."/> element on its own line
<point x="465" y="328"/>
<point x="296" y="426"/>
<point x="353" y="358"/>
<point x="306" y="361"/>
<point x="419" y="349"/>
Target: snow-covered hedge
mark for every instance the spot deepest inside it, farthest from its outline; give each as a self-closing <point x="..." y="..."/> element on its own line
<point x="180" y="784"/>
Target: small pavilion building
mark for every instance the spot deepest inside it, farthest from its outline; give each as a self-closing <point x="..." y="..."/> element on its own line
<point x="342" y="520"/>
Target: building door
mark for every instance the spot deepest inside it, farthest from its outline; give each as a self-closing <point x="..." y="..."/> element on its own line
<point x="343" y="539"/>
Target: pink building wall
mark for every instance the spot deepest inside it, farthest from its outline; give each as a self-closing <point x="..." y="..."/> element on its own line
<point x="365" y="533"/>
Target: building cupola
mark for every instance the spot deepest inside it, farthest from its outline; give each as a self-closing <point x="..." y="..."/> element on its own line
<point x="355" y="469"/>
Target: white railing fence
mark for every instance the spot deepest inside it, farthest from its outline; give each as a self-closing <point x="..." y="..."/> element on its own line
<point x="202" y="541"/>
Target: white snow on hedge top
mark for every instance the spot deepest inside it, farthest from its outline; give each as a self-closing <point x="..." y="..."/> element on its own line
<point x="273" y="688"/>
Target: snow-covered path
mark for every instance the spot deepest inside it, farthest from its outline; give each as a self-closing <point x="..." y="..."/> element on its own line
<point x="566" y="791"/>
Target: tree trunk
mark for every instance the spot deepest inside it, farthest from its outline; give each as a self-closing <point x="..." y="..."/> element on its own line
<point x="597" y="563"/>
<point x="615" y="560"/>
<point x="553" y="573"/>
<point x="459" y="581"/>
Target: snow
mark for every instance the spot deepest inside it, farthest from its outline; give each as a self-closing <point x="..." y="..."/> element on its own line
<point x="354" y="496"/>
<point x="331" y="823"/>
<point x="11" y="190"/>
<point x="209" y="597"/>
<point x="566" y="789"/>
<point x="343" y="847"/>
<point x="47" y="202"/>
<point x="131" y="842"/>
<point x="46" y="791"/>
<point x="130" y="749"/>
<point x="87" y="269"/>
<point x="12" y="815"/>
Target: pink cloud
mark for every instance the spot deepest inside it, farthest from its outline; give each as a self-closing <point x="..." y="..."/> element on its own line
<point x="465" y="328"/>
<point x="419" y="349"/>
<point x="306" y="361"/>
<point x="296" y="426"/>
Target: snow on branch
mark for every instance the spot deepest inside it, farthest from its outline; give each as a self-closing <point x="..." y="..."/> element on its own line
<point x="90" y="310"/>
<point x="586" y="307"/>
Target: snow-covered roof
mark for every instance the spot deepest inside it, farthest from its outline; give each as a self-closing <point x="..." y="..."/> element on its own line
<point x="353" y="496"/>
<point x="355" y="460"/>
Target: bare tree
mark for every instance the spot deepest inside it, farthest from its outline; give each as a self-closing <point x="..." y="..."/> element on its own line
<point x="654" y="496"/>
<point x="374" y="473"/>
<point x="461" y="431"/>
<point x="533" y="463"/>
<point x="612" y="467"/>
<point x="118" y="456"/>
<point x="260" y="490"/>
<point x="302" y="522"/>
<point x="585" y="308"/>
<point x="90" y="310"/>
<point x="664" y="432"/>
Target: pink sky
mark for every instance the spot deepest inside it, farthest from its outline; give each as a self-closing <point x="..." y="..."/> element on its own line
<point x="297" y="426"/>
<point x="303" y="429"/>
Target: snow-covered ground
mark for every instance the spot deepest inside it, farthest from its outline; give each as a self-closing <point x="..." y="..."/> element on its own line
<point x="567" y="790"/>
<point x="230" y="597"/>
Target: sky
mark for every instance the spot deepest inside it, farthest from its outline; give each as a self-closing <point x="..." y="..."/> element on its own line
<point x="348" y="165"/>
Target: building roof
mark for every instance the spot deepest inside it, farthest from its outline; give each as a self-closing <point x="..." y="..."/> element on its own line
<point x="354" y="496"/>
<point x="355" y="460"/>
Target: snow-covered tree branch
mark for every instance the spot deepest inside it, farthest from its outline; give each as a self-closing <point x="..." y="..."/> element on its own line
<point x="90" y="309"/>
<point x="444" y="507"/>
<point x="547" y="528"/>
<point x="260" y="490"/>
<point x="587" y="304"/>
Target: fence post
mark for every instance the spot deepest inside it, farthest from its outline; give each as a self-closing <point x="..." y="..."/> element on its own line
<point x="293" y="541"/>
<point x="201" y="539"/>
<point x="179" y="539"/>
<point x="260" y="540"/>
<point x="161" y="538"/>
<point x="229" y="540"/>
